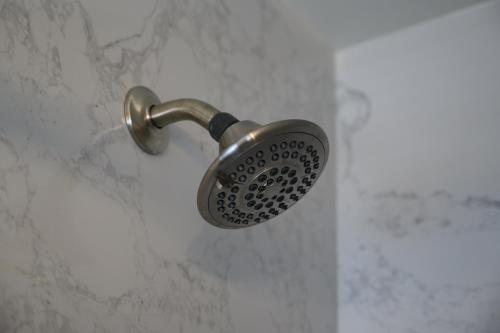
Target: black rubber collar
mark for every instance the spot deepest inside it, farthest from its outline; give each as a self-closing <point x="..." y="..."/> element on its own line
<point x="219" y="123"/>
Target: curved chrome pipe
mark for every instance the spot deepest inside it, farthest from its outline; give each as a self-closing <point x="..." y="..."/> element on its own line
<point x="147" y="118"/>
<point x="182" y="109"/>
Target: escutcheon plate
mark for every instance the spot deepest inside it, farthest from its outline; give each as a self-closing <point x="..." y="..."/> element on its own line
<point x="138" y="103"/>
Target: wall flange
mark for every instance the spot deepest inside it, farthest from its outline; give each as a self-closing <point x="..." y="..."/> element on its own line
<point x="138" y="103"/>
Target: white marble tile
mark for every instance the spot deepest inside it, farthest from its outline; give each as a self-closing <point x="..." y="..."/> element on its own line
<point x="96" y="236"/>
<point x="418" y="185"/>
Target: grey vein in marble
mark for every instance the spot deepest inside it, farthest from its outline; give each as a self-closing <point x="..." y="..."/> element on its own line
<point x="389" y="241"/>
<point x="96" y="236"/>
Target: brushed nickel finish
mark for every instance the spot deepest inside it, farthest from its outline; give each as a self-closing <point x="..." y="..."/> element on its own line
<point x="236" y="132"/>
<point x="183" y="109"/>
<point x="138" y="102"/>
<point x="261" y="170"/>
<point x="146" y="117"/>
<point x="225" y="194"/>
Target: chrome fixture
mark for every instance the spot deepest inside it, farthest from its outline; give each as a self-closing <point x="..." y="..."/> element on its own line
<point x="261" y="170"/>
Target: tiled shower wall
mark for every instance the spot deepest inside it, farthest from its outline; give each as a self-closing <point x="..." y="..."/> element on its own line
<point x="95" y="235"/>
<point x="418" y="185"/>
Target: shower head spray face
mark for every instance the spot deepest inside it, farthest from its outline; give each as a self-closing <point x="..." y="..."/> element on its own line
<point x="261" y="171"/>
<point x="262" y="174"/>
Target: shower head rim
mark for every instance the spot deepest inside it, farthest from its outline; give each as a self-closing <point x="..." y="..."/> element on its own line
<point x="245" y="143"/>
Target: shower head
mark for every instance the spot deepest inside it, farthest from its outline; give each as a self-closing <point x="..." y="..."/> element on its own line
<point x="261" y="171"/>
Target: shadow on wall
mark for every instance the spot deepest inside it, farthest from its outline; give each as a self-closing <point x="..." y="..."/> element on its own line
<point x="241" y="255"/>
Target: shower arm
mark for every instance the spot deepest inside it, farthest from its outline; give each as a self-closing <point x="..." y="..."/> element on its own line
<point x="171" y="112"/>
<point x="147" y="119"/>
<point x="202" y="113"/>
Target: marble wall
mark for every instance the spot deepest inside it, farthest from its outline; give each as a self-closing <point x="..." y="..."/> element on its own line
<point x="418" y="178"/>
<point x="96" y="236"/>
